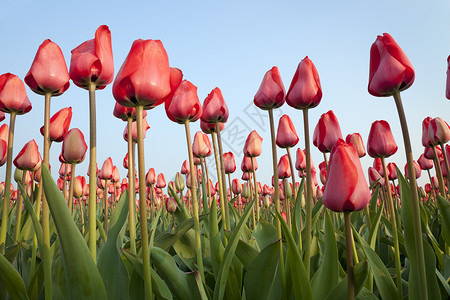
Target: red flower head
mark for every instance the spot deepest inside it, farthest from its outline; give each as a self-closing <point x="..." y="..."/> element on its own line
<point x="106" y="171"/>
<point x="13" y="96"/>
<point x="381" y="142"/>
<point x="305" y="90"/>
<point x="236" y="186"/>
<point x="375" y="176"/>
<point x="210" y="127"/>
<point x="59" y="124"/>
<point x="392" y="169"/>
<point x="214" y="108"/>
<point x="150" y="178"/>
<point x="29" y="157"/>
<point x="284" y="170"/>
<point x="48" y="73"/>
<point x="417" y="170"/>
<point x="438" y="131"/>
<point x="3" y="152"/>
<point x="184" y="105"/>
<point x="252" y="145"/>
<point x="327" y="132"/>
<point x="271" y="92"/>
<point x="74" y="147"/>
<point x="425" y="163"/>
<point x="356" y="140"/>
<point x="286" y="134"/>
<point x="160" y="181"/>
<point x="145" y="127"/>
<point x="229" y="163"/>
<point x="425" y="139"/>
<point x="246" y="165"/>
<point x="185" y="167"/>
<point x="201" y="145"/>
<point x="124" y="113"/>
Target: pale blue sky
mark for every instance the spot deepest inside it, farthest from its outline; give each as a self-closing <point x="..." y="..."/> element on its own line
<point x="231" y="44"/>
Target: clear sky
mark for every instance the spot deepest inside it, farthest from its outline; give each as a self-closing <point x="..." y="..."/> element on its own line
<point x="231" y="45"/>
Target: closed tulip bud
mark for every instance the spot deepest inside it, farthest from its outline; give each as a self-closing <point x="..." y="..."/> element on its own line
<point x="252" y="147"/>
<point x="246" y="165"/>
<point x="323" y="176"/>
<point x="3" y="152"/>
<point x="60" y="183"/>
<point x="267" y="201"/>
<point x="125" y="161"/>
<point x="319" y="192"/>
<point x="375" y="176"/>
<point x="101" y="183"/>
<point x="145" y="127"/>
<point x="346" y="188"/>
<point x="381" y="142"/>
<point x="214" y="108"/>
<point x="65" y="170"/>
<point x="443" y="168"/>
<point x="305" y="90"/>
<point x="438" y="131"/>
<point x="246" y="190"/>
<point x="160" y="181"/>
<point x="115" y="175"/>
<point x="59" y="124"/>
<point x="271" y="92"/>
<point x="4" y="133"/>
<point x="286" y="134"/>
<point x="29" y="157"/>
<point x="184" y="105"/>
<point x="201" y="146"/>
<point x="185" y="167"/>
<point x="356" y="140"/>
<point x="210" y="127"/>
<point x="106" y="172"/>
<point x="229" y="163"/>
<point x="428" y="152"/>
<point x="428" y="188"/>
<point x="435" y="182"/>
<point x="247" y="176"/>
<point x="425" y="139"/>
<point x="287" y="188"/>
<point x="212" y="190"/>
<point x="18" y="175"/>
<point x="171" y="205"/>
<point x="150" y="177"/>
<point x="48" y="72"/>
<point x="390" y="69"/>
<point x="13" y="96"/>
<point x="236" y="186"/>
<point x="417" y="170"/>
<point x="197" y="161"/>
<point x="378" y="165"/>
<point x="74" y="147"/>
<point x="179" y="182"/>
<point x="425" y="163"/>
<point x="284" y="169"/>
<point x="37" y="175"/>
<point x="78" y="186"/>
<point x="327" y="132"/>
<point x="123" y="113"/>
<point x="392" y="170"/>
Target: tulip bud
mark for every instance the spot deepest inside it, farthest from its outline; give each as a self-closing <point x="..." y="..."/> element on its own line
<point x="236" y="186"/>
<point x="381" y="142"/>
<point x="18" y="175"/>
<point x="13" y="96"/>
<point x="59" y="124"/>
<point x="160" y="181"/>
<point x="287" y="189"/>
<point x="425" y="139"/>
<point x="286" y="134"/>
<point x="271" y="92"/>
<point x="356" y="140"/>
<point x="425" y="163"/>
<point x="4" y="132"/>
<point x="327" y="132"/>
<point x="247" y="176"/>
<point x="171" y="205"/>
<point x="150" y="178"/>
<point x="438" y="131"/>
<point x="179" y="182"/>
<point x="29" y="157"/>
<point x="214" y="108"/>
<point x="392" y="170"/>
<point x="252" y="145"/>
<point x="284" y="169"/>
<point x="201" y="146"/>
<point x="246" y="190"/>
<point x="417" y="170"/>
<point x="74" y="147"/>
<point x="184" y="105"/>
<point x="229" y="163"/>
<point x="267" y="201"/>
<point x="106" y="172"/>
<point x="185" y="167"/>
<point x="145" y="127"/>
<point x="374" y="176"/>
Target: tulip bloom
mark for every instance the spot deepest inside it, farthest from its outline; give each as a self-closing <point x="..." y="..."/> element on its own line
<point x="171" y="205"/>
<point x="378" y="165"/>
<point x="74" y="147"/>
<point x="78" y="186"/>
<point x="271" y="92"/>
<point x="252" y="145"/>
<point x="123" y="113"/>
<point x="145" y="127"/>
<point x="160" y="181"/>
<point x="229" y="163"/>
<point x="48" y="72"/>
<point x="210" y="127"/>
<point x="3" y="152"/>
<point x="356" y="140"/>
<point x="392" y="169"/>
<point x="286" y="134"/>
<point x="327" y="132"/>
<point x="214" y="108"/>
<point x="115" y="175"/>
<point x="4" y="133"/>
<point x="92" y="61"/>
<point x="236" y="186"/>
<point x="284" y="169"/>
<point x="106" y="170"/>
<point x="246" y="165"/>
<point x="438" y="131"/>
<point x="150" y="178"/>
<point x="425" y="139"/>
<point x="29" y="157"/>
<point x="59" y="124"/>
<point x="381" y="142"/>
<point x="184" y="105"/>
<point x="144" y="78"/>
<point x="428" y="152"/>
<point x="185" y="167"/>
<point x="305" y="90"/>
<point x="375" y="176"/>
<point x="390" y="69"/>
<point x="201" y="146"/>
<point x="346" y="188"/>
<point x="425" y="163"/>
<point x="13" y="96"/>
<point x="417" y="170"/>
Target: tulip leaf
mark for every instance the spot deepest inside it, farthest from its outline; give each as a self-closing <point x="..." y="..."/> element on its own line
<point x="327" y="276"/>
<point x="181" y="213"/>
<point x="444" y="207"/>
<point x="81" y="275"/>
<point x="166" y="239"/>
<point x="215" y="242"/>
<point x="262" y="279"/>
<point x="246" y="254"/>
<point x="300" y="281"/>
<point x="374" y="227"/>
<point x="340" y="291"/>
<point x="110" y="263"/>
<point x="11" y="280"/>
<point x="265" y="233"/>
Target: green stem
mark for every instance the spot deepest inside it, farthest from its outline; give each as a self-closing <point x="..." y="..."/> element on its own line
<point x="198" y="241"/>
<point x="19" y="207"/>
<point x="72" y="179"/>
<point x="437" y="166"/>
<point x="432" y="185"/>
<point x="291" y="165"/>
<point x="142" y="205"/>
<point x="224" y="181"/>
<point x="105" y="206"/>
<point x="444" y="154"/>
<point x="219" y="179"/>
<point x="92" y="174"/>
<point x="131" y="193"/>
<point x="348" y="251"/>
<point x="256" y="192"/>
<point x="415" y="200"/>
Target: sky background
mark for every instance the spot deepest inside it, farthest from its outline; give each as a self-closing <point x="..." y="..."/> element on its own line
<point x="231" y="45"/>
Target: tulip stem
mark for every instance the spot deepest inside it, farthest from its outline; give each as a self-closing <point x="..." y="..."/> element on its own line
<point x="224" y="181"/>
<point x="7" y="193"/>
<point x="92" y="173"/>
<point x="437" y="166"/>
<point x="198" y="249"/>
<point x="64" y="181"/>
<point x="444" y="154"/>
<point x="256" y="192"/>
<point x="19" y="207"/>
<point x="277" y="199"/>
<point x="72" y="179"/>
<point x="348" y="252"/>
<point x="307" y="258"/>
<point x="105" y="206"/>
<point x="415" y="200"/>
<point x="219" y="179"/>
<point x="131" y="193"/>
<point x="291" y="165"/>
<point x="432" y="185"/>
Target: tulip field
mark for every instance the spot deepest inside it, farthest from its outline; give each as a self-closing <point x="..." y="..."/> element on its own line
<point x="352" y="234"/>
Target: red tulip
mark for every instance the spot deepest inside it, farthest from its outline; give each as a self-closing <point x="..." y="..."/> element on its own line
<point x="115" y="175"/>
<point x="2" y="116"/>
<point x="247" y="176"/>
<point x="286" y="134"/>
<point x="171" y="205"/>
<point x="425" y="163"/>
<point x="346" y="188"/>
<point x="65" y="170"/>
<point x="185" y="167"/>
<point x="29" y="157"/>
<point x="145" y="127"/>
<point x="323" y="176"/>
<point x="392" y="169"/>
<point x="236" y="186"/>
<point x="59" y="124"/>
<point x="78" y="186"/>
<point x="327" y="132"/>
<point x="447" y="89"/>
<point x="74" y="147"/>
<point x="106" y="172"/>
<point x="284" y="169"/>
<point x="150" y="177"/>
<point x="417" y="170"/>
<point x="184" y="105"/>
<point x="378" y="165"/>
<point x="300" y="161"/>
<point x="438" y="131"/>
<point x="160" y="181"/>
<point x="214" y="108"/>
<point x="3" y="152"/>
<point x="210" y="127"/>
<point x="144" y="78"/>
<point x="428" y="152"/>
<point x="252" y="145"/>
<point x="123" y="113"/>
<point x="60" y="183"/>
<point x="48" y="73"/>
<point x="246" y="165"/>
<point x="13" y="96"/>
<point x="271" y="92"/>
<point x="356" y="140"/>
<point x="92" y="61"/>
<point x="305" y="90"/>
<point x="374" y="175"/>
<point x="229" y="163"/>
<point x="201" y="146"/>
<point x="425" y="124"/>
<point x="4" y="133"/>
<point x="390" y="69"/>
<point x="381" y="142"/>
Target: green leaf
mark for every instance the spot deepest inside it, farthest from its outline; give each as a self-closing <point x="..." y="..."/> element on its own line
<point x="300" y="282"/>
<point x="374" y="227"/>
<point x="444" y="207"/>
<point x="262" y="279"/>
<point x="265" y="233"/>
<point x="340" y="291"/>
<point x="327" y="276"/>
<point x="181" y="213"/>
<point x="11" y="280"/>
<point x="81" y="275"/>
<point x="110" y="263"/>
<point x="246" y="254"/>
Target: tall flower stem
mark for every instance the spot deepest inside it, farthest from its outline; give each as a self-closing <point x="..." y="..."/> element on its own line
<point x="256" y="192"/>
<point x="72" y="179"/>
<point x="307" y="258"/>
<point x="206" y="175"/>
<point x="432" y="185"/>
<point x="198" y="241"/>
<point x="398" y="265"/>
<point x="291" y="165"/>
<point x="219" y="179"/>
<point x="131" y="194"/>
<point x="64" y="180"/>
<point x="92" y="173"/>
<point x="437" y="166"/>
<point x="414" y="198"/>
<point x="277" y="196"/>
<point x="348" y="252"/>
<point x="19" y="207"/>
<point x="7" y="194"/>
<point x="224" y="181"/>
<point x="444" y="154"/>
<point x="142" y="205"/>
<point x="105" y="206"/>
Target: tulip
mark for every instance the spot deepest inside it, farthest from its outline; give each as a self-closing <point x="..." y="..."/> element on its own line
<point x="185" y="167"/>
<point x="284" y="171"/>
<point x="106" y="172"/>
<point x="214" y="108"/>
<point x="236" y="186"/>
<point x="381" y="142"/>
<point x="160" y="181"/>
<point x="3" y="152"/>
<point x="201" y="146"/>
<point x="246" y="176"/>
<point x="246" y="165"/>
<point x="286" y="134"/>
<point x="356" y="140"/>
<point x="29" y="157"/>
<point x="323" y="176"/>
<point x="150" y="178"/>
<point x="425" y="163"/>
<point x="123" y="113"/>
<point x="378" y="165"/>
<point x="179" y="182"/>
<point x="425" y="139"/>
<point x="271" y="92"/>
<point x="417" y="170"/>
<point x="392" y="170"/>
<point x="59" y="124"/>
<point x="145" y="127"/>
<point x="229" y="163"/>
<point x="438" y="131"/>
<point x="74" y="147"/>
<point x="428" y="152"/>
<point x="184" y="105"/>
<point x="4" y="132"/>
<point x="252" y="147"/>
<point x="171" y="205"/>
<point x="78" y="186"/>
<point x="92" y="61"/>
<point x="13" y="96"/>
<point x="375" y="176"/>
<point x="210" y="127"/>
<point x="327" y="132"/>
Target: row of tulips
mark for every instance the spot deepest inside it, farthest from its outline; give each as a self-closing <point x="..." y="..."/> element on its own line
<point x="229" y="240"/>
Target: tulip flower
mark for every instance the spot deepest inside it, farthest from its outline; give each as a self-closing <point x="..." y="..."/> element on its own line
<point x="201" y="146"/>
<point x="106" y="170"/>
<point x="171" y="205"/>
<point x="214" y="108"/>
<point x="417" y="170"/>
<point x="13" y="96"/>
<point x="438" y="131"/>
<point x="381" y="142"/>
<point x="229" y="163"/>
<point x="179" y="182"/>
<point x="184" y="105"/>
<point x="425" y="163"/>
<point x="3" y="152"/>
<point x="378" y="165"/>
<point x="425" y="139"/>
<point x="124" y="113"/>
<point x="29" y="157"/>
<point x="78" y="186"/>
<point x="327" y="132"/>
<point x="392" y="170"/>
<point x="145" y="127"/>
<point x="4" y="133"/>
<point x="236" y="186"/>
<point x="246" y="165"/>
<point x="356" y="140"/>
<point x="185" y="167"/>
<point x="74" y="147"/>
<point x="252" y="147"/>
<point x="284" y="171"/>
<point x="92" y="61"/>
<point x="150" y="178"/>
<point x="286" y="134"/>
<point x="59" y="124"/>
<point x="210" y="127"/>
<point x="160" y="181"/>
<point x="271" y="92"/>
<point x="246" y="176"/>
<point x="375" y="176"/>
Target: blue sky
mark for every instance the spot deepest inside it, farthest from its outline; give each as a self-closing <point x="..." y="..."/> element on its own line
<point x="231" y="45"/>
